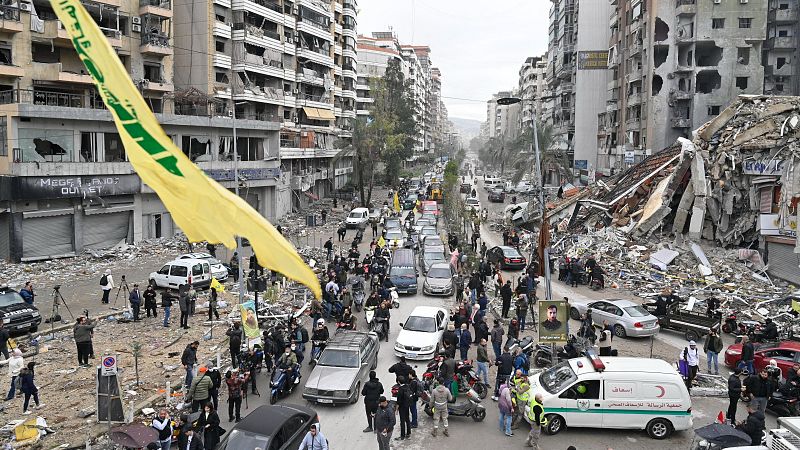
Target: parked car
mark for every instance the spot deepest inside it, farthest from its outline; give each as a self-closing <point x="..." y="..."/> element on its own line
<point x="182" y="272"/>
<point x="523" y="187"/>
<point x="430" y="257"/>
<point x="342" y="368"/>
<point x="506" y="257"/>
<point x="625" y="317"/>
<point x="785" y="353"/>
<point x="430" y="207"/>
<point x="358" y="218"/>
<point x="421" y="333"/>
<point x="473" y="204"/>
<point x="422" y="223"/>
<point x="276" y="427"/>
<point x="392" y="223"/>
<point x="19" y="317"/>
<point x="218" y="270"/>
<point x="465" y="188"/>
<point x="439" y="280"/>
<point x="497" y="195"/>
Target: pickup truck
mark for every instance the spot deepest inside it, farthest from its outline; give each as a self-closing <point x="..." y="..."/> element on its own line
<point x="694" y="325"/>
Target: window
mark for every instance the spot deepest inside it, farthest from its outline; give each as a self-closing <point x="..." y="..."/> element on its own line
<point x="178" y="271"/>
<point x="741" y="82"/>
<point x="219" y="17"/>
<point x="220" y="46"/>
<point x="780" y="62"/>
<point x="779" y="88"/>
<point x="44" y="53"/>
<point x="745" y="22"/>
<point x="783" y="6"/>
<point x="164" y="270"/>
<point x="221" y="77"/>
<point x="717" y="23"/>
<point x="713" y="110"/>
<point x="743" y="55"/>
<point x="587" y="389"/>
<point x="783" y="33"/>
<point x="115" y="151"/>
<point x="197" y="269"/>
<point x="152" y="72"/>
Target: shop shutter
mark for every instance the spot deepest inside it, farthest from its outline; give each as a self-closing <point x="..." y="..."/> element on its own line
<point x="105" y="230"/>
<point x="784" y="263"/>
<point x="5" y="236"/>
<point x="47" y="236"/>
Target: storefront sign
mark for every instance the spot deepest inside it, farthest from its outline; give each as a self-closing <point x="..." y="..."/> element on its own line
<point x="593" y="60"/>
<point x="581" y="164"/>
<point x="76" y="187"/>
<point x="244" y="174"/>
<point x="762" y="167"/>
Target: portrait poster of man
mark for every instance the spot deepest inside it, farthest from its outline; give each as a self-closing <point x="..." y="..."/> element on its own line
<point x="552" y="321"/>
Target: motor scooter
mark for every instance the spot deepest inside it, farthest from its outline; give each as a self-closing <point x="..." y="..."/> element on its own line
<point x="316" y="349"/>
<point x="395" y="297"/>
<point x="283" y="383"/>
<point x="369" y="317"/>
<point x="358" y="296"/>
<point x="471" y="407"/>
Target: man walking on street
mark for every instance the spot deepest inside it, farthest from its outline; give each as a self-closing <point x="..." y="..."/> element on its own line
<point x="404" y="409"/>
<point x="235" y="336"/>
<point x="536" y="416"/>
<point x="384" y="423"/>
<point x="4" y="337"/>
<point x="135" y="298"/>
<point x="759" y="387"/>
<point x="183" y="305"/>
<point x="439" y="398"/>
<point x="106" y="284"/>
<point x="734" y="394"/>
<point x="15" y="365"/>
<point x="505" y="365"/>
<point x="712" y="348"/>
<point x="482" y="360"/>
<point x="464" y="341"/>
<point x="497" y="338"/>
<point x="234" y="263"/>
<point x="371" y="391"/>
<point x="692" y="358"/>
<point x="189" y="359"/>
<point x="328" y="246"/>
<point x="505" y="294"/>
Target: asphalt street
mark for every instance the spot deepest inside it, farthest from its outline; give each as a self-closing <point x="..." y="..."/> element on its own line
<point x="343" y="425"/>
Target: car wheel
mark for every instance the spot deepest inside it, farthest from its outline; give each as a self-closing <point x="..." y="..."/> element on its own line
<point x="659" y="429"/>
<point x="356" y="393"/>
<point x="619" y="331"/>
<point x="273" y="398"/>
<point x="574" y="314"/>
<point x="555" y="424"/>
<point x="692" y="335"/>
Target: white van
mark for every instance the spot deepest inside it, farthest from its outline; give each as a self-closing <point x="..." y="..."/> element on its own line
<point x="491" y="182"/>
<point x="358" y="218"/>
<point x="182" y="272"/>
<point x="611" y="392"/>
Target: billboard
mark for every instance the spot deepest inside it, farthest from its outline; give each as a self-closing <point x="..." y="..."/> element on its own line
<point x="552" y="321"/>
<point x="593" y="60"/>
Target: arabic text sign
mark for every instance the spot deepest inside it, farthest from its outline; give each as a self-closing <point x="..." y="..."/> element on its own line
<point x="762" y="167"/>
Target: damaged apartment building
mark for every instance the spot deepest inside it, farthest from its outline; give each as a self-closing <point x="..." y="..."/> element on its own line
<point x="676" y="64"/>
<point x="65" y="181"/>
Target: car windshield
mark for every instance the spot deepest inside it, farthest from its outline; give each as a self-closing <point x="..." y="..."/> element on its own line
<point x="245" y="439"/>
<point x="429" y="231"/>
<point x="403" y="272"/>
<point x="338" y="358"/>
<point x="8" y="298"/>
<point x="424" y="222"/>
<point x="472" y="201"/>
<point x="439" y="272"/>
<point x="636" y="311"/>
<point x="429" y="216"/>
<point x="431" y="208"/>
<point x="356" y="215"/>
<point x="511" y="252"/>
<point x="394" y="234"/>
<point x="433" y="256"/>
<point x="556" y="378"/>
<point x="417" y="323"/>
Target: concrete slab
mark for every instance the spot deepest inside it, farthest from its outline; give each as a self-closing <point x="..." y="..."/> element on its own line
<point x="663" y="258"/>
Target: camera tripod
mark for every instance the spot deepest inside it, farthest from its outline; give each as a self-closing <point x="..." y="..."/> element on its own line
<point x="55" y="315"/>
<point x="123" y="285"/>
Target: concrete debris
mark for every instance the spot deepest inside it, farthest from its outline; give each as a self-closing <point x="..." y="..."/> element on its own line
<point x="663" y="257"/>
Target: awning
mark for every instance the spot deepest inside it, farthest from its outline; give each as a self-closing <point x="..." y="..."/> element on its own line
<point x="318" y="113"/>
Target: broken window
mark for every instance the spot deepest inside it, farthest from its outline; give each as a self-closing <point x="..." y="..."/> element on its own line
<point x="713" y="110"/>
<point x="743" y="55"/>
<point x="219" y="46"/>
<point x="45" y="53"/>
<point x="707" y="54"/>
<point x="89" y="147"/>
<point x="741" y="82"/>
<point x="195" y="147"/>
<point x="780" y="62"/>
<point x="745" y="22"/>
<point x="707" y="81"/>
<point x="5" y="55"/>
<point x="155" y="104"/>
<point x="115" y="151"/>
<point x="661" y="30"/>
<point x="152" y="72"/>
<point x="657" y="83"/>
<point x="717" y="24"/>
<point x="783" y="33"/>
<point x="779" y="87"/>
<point x="783" y="6"/>
<point x="221" y="77"/>
<point x="660" y="53"/>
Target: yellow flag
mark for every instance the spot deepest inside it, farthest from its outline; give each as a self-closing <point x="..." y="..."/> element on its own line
<point x="381" y="242"/>
<point x="796" y="306"/>
<point x="217" y="285"/>
<point x="184" y="189"/>
<point x="396" y="202"/>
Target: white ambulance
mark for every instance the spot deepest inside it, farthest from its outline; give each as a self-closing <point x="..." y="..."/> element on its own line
<point x="611" y="392"/>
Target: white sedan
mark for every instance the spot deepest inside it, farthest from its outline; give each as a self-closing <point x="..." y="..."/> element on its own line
<point x="421" y="333"/>
<point x="473" y="204"/>
<point x="218" y="270"/>
<point x="625" y="317"/>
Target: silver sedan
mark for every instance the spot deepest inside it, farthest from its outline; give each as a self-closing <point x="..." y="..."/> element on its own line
<point x="625" y="317"/>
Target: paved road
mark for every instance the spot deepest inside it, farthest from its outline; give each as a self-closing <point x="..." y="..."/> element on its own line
<point x="342" y="425"/>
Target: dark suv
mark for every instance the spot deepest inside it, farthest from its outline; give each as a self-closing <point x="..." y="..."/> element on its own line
<point x="18" y="316"/>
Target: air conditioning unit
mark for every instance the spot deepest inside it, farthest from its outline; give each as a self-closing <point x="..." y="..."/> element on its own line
<point x="230" y="113"/>
<point x="136" y="28"/>
<point x="25" y="6"/>
<point x="743" y="1"/>
<point x="717" y="2"/>
<point x="296" y="10"/>
<point x="295" y="91"/>
<point x="290" y="40"/>
<point x="136" y="19"/>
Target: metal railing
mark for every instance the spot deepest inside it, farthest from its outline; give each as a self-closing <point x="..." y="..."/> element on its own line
<point x="320" y="51"/>
<point x="46" y="98"/>
<point x="9" y="13"/>
<point x="271" y="5"/>
<point x="159" y="40"/>
<point x="315" y="24"/>
<point x="166" y="4"/>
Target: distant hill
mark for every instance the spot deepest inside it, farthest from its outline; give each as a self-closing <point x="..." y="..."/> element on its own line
<point x="467" y="128"/>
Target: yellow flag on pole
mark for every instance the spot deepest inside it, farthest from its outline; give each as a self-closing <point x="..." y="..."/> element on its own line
<point x="184" y="189"/>
<point x="217" y="285"/>
<point x="396" y="202"/>
<point x="381" y="242"/>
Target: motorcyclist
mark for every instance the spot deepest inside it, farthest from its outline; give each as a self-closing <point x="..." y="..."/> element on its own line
<point x="288" y="361"/>
<point x="770" y="332"/>
<point x="319" y="337"/>
<point x="348" y="321"/>
<point x="383" y="315"/>
<point x="373" y="301"/>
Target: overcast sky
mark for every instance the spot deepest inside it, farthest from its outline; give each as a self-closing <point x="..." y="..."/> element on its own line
<point x="478" y="45"/>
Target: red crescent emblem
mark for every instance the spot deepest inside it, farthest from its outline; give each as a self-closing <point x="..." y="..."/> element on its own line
<point x="663" y="391"/>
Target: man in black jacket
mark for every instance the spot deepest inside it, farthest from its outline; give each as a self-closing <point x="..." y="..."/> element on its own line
<point x="734" y="392"/>
<point x="384" y="423"/>
<point x="770" y="332"/>
<point x="760" y="388"/>
<point x="748" y="355"/>
<point x="753" y="425"/>
<point x="401" y="369"/>
<point x="189" y="359"/>
<point x="505" y="365"/>
<point x="371" y="391"/>
<point x="505" y="294"/>
<point x="404" y="408"/>
<point x="235" y="335"/>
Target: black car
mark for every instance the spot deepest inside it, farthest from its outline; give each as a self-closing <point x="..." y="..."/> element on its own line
<point x="410" y="202"/>
<point x="506" y="257"/>
<point x="497" y="195"/>
<point x="465" y="188"/>
<point x="18" y="316"/>
<point x="277" y="427"/>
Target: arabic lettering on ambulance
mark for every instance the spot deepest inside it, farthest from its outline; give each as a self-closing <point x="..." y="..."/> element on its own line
<point x="621" y="390"/>
<point x="655" y="405"/>
<point x="127" y="116"/>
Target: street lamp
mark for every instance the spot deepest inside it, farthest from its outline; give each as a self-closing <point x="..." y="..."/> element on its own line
<point x="548" y="295"/>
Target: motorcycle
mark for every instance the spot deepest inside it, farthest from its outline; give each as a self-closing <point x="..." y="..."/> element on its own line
<point x="471" y="407"/>
<point x="730" y="325"/>
<point x="281" y="385"/>
<point x="336" y="308"/>
<point x="544" y="353"/>
<point x="358" y="296"/>
<point x="395" y="297"/>
<point x="784" y="401"/>
<point x="380" y="326"/>
<point x="369" y="317"/>
<point x="527" y="345"/>
<point x="316" y="349"/>
<point x="465" y="376"/>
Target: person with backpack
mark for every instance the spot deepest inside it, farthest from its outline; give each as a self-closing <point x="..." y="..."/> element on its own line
<point x="690" y="356"/>
<point x="200" y="390"/>
<point x="404" y="399"/>
<point x="106" y="284"/>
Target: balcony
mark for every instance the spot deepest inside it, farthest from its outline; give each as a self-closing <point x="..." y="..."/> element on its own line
<point x="222" y="30"/>
<point x="55" y="72"/>
<point x="634" y="99"/>
<point x="319" y="56"/>
<point x="261" y="37"/>
<point x="266" y="8"/>
<point x="337" y="49"/>
<point x="55" y="31"/>
<point x="635" y="48"/>
<point x="784" y="71"/>
<point x="350" y="9"/>
<point x="680" y="122"/>
<point x="685" y="33"/>
<point x="613" y="84"/>
<point x="157" y="86"/>
<point x="35" y="97"/>
<point x="220" y="60"/>
<point x="7" y="70"/>
<point x="315" y="29"/>
<point x="633" y="122"/>
<point x="782" y="16"/>
<point x="634" y="75"/>
<point x="685" y="7"/>
<point x="310" y="76"/>
<point x="676" y="96"/>
<point x="780" y="42"/>
<point x="9" y="19"/>
<point x="155" y="44"/>
<point x="161" y="8"/>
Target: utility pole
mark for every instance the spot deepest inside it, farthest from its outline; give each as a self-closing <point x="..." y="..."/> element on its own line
<point x="236" y="188"/>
